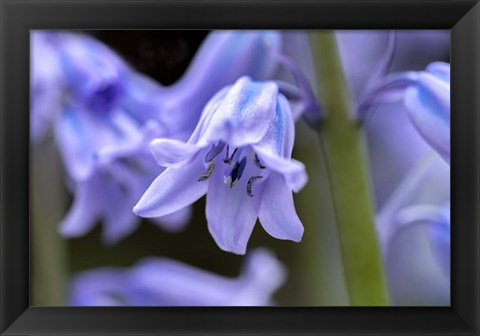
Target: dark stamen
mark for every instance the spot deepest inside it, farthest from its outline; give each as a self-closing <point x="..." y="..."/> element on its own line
<point x="256" y="161"/>
<point x="205" y="176"/>
<point x="232" y="157"/>
<point x="237" y="172"/>
<point x="212" y="153"/>
<point x="226" y="159"/>
<point x="249" y="184"/>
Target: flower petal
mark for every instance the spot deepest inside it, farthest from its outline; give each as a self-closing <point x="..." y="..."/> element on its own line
<point x="293" y="171"/>
<point x="92" y="71"/>
<point x="83" y="213"/>
<point x="428" y="104"/>
<point x="244" y="114"/>
<point x="165" y="282"/>
<point x="439" y="234"/>
<point x="226" y="55"/>
<point x="390" y="90"/>
<point x="168" y="151"/>
<point x="119" y="221"/>
<point x="174" y="189"/>
<point x="45" y="82"/>
<point x="98" y="287"/>
<point x="261" y="276"/>
<point x="441" y="70"/>
<point x="277" y="211"/>
<point x="311" y="110"/>
<point x="276" y="147"/>
<point x="76" y="148"/>
<point x="231" y="213"/>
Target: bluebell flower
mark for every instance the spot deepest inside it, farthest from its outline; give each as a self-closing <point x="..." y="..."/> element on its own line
<point x="426" y="95"/>
<point x="239" y="156"/>
<point x="108" y="115"/>
<point x="165" y="282"/>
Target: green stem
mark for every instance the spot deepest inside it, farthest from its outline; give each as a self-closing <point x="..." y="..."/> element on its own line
<point x="319" y="262"/>
<point x="48" y="250"/>
<point x="343" y="146"/>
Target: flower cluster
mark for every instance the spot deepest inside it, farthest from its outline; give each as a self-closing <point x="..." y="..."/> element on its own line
<point x="225" y="129"/>
<point x="132" y="148"/>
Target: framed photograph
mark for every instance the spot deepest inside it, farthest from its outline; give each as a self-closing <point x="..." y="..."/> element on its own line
<point x="228" y="167"/>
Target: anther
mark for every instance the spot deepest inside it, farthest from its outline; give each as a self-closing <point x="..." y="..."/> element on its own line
<point x="237" y="172"/>
<point x="250" y="183"/>
<point x="212" y="153"/>
<point x="256" y="161"/>
<point x="227" y="158"/>
<point x="205" y="176"/>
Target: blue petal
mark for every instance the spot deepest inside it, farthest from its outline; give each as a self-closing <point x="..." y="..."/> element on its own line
<point x="118" y="196"/>
<point x="428" y="104"/>
<point x="308" y="106"/>
<point x="276" y="147"/>
<point x="231" y="213"/>
<point x="164" y="282"/>
<point x="167" y="152"/>
<point x="83" y="213"/>
<point x="391" y="89"/>
<point x="277" y="211"/>
<point x="45" y="82"/>
<point x="99" y="287"/>
<point x="175" y="188"/>
<point x="439" y="233"/>
<point x="93" y="72"/>
<point x="441" y="70"/>
<point x="262" y="275"/>
<point x="244" y="114"/>
<point x="226" y="55"/>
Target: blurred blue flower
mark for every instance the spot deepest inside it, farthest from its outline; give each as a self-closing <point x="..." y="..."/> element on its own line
<point x="107" y="116"/>
<point x="438" y="220"/>
<point x="426" y="95"/>
<point x="223" y="57"/>
<point x="246" y="130"/>
<point x="166" y="282"/>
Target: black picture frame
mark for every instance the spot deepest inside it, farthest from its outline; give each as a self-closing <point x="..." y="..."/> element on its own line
<point x="17" y="17"/>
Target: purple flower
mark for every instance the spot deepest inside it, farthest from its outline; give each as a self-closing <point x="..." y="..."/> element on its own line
<point x="426" y="95"/>
<point x="240" y="156"/>
<point x="107" y="117"/>
<point x="116" y="184"/>
<point x="166" y="282"/>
